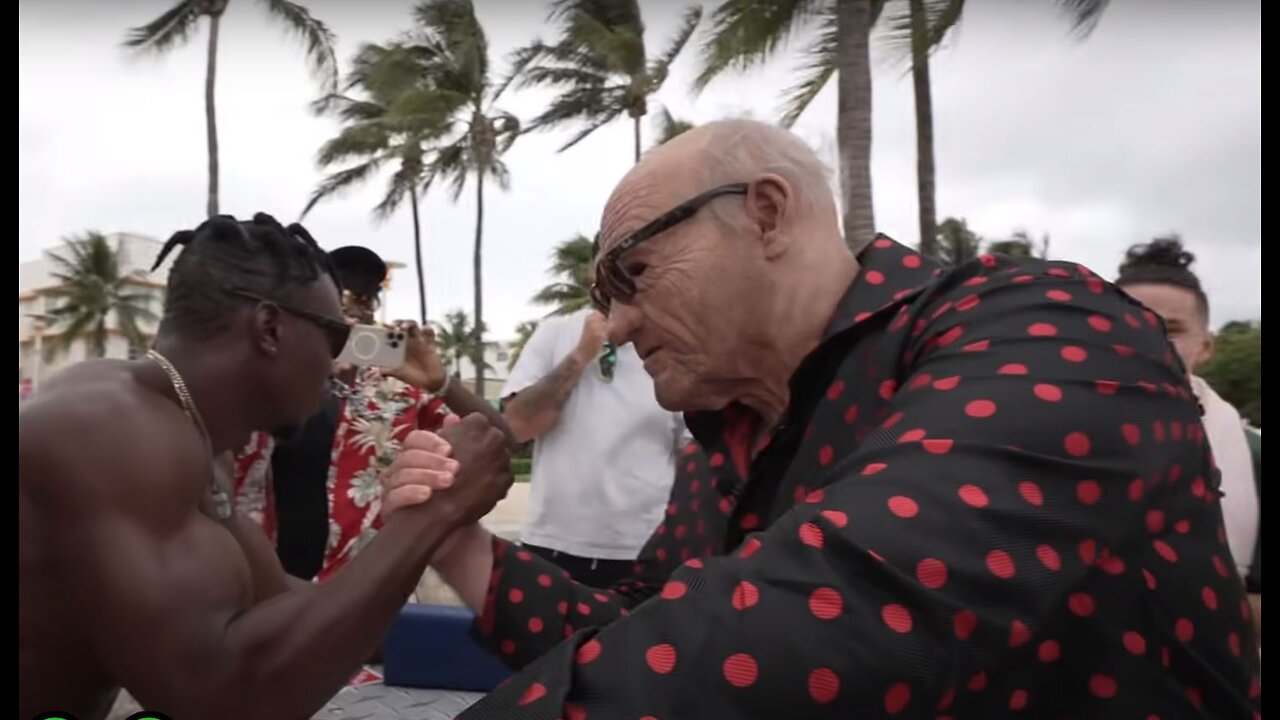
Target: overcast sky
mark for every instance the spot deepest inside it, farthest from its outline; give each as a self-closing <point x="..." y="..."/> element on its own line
<point x="1151" y="125"/>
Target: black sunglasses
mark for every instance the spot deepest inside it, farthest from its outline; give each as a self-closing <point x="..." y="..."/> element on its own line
<point x="613" y="281"/>
<point x="336" y="331"/>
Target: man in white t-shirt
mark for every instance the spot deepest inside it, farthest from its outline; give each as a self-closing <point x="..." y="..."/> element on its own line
<point x="1158" y="274"/>
<point x="604" y="452"/>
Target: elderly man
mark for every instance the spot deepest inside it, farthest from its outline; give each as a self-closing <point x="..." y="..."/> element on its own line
<point x="975" y="493"/>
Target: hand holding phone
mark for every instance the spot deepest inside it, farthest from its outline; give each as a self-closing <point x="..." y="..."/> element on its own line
<point x="375" y="346"/>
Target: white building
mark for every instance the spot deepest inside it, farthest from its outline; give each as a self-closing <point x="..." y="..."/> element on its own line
<point x="35" y="281"/>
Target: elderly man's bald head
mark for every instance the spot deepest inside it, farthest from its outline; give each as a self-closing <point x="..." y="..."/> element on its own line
<point x="718" y="153"/>
<point x="715" y="250"/>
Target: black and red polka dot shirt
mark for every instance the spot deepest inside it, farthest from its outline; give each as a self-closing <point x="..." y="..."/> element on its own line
<point x="991" y="496"/>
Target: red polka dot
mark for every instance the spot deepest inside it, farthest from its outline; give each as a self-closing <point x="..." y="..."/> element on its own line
<point x="694" y="563"/>
<point x="835" y="517"/>
<point x="937" y="446"/>
<point x="1184" y="630"/>
<point x="947" y="698"/>
<point x="1059" y="295"/>
<point x="750" y="521"/>
<point x="1018" y="700"/>
<point x="1107" y="387"/>
<point x="826" y="454"/>
<point x="1132" y="433"/>
<point x="825" y="603"/>
<point x="887" y="388"/>
<point x="1095" y="285"/>
<point x="873" y="468"/>
<point x="1031" y="493"/>
<point x="508" y="647"/>
<point x="1152" y="320"/>
<point x="1135" y="489"/>
<point x="1165" y="550"/>
<point x="1155" y="521"/>
<point x="1076" y="444"/>
<point x="947" y="383"/>
<point x="964" y="623"/>
<point x="835" y="390"/>
<point x="892" y="420"/>
<point x="1088" y="492"/>
<point x="1088" y="549"/>
<point x="911" y="261"/>
<point x="1157" y="429"/>
<point x="1220" y="566"/>
<point x="1099" y="323"/>
<point x="932" y="573"/>
<point x="725" y="505"/>
<point x="583" y="609"/>
<point x="1018" y="634"/>
<point x="1149" y="578"/>
<point x="1000" y="564"/>
<point x="717" y="459"/>
<point x="1074" y="353"/>
<point x="1103" y="686"/>
<point x="1198" y="487"/>
<point x="1012" y="369"/>
<point x="1123" y="350"/>
<point x="533" y="693"/>
<point x="973" y="496"/>
<point x="903" y="506"/>
<point x="1058" y="272"/>
<point x="1112" y="565"/>
<point x="875" y="277"/>
<point x="660" y="553"/>
<point x="851" y="414"/>
<point x="977" y="682"/>
<point x="674" y="590"/>
<point x="745" y="595"/>
<point x="883" y="243"/>
<point x="1134" y="643"/>
<point x="749" y="548"/>
<point x="977" y="346"/>
<point x="661" y="658"/>
<point x="811" y="535"/>
<point x="515" y="595"/>
<point x="574" y="712"/>
<point x="1209" y="597"/>
<point x="544" y="580"/>
<point x="967" y="303"/>
<point x="1042" y="330"/>
<point x="911" y="436"/>
<point x="824" y="685"/>
<point x="1081" y="604"/>
<point x="562" y="607"/>
<point x="897" y="617"/>
<point x="535" y="625"/>
<point x="524" y="555"/>
<point x="1233" y="642"/>
<point x="1049" y="557"/>
<point x="1049" y="651"/>
<point x="1047" y="392"/>
<point x="950" y="336"/>
<point x="896" y="699"/>
<point x="740" y="670"/>
<point x="980" y="409"/>
<point x="977" y="280"/>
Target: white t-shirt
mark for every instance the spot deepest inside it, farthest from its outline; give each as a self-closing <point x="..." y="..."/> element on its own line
<point x="602" y="475"/>
<point x="1225" y="430"/>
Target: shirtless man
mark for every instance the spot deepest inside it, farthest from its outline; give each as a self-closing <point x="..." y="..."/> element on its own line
<point x="134" y="573"/>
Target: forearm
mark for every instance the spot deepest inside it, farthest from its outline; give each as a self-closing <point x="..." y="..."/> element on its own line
<point x="462" y="402"/>
<point x="298" y="649"/>
<point x="536" y="409"/>
<point x="466" y="563"/>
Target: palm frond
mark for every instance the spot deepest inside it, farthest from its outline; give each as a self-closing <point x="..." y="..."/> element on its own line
<point x="354" y="141"/>
<point x="1085" y="14"/>
<point x="398" y="186"/>
<point x="520" y="60"/>
<point x="622" y="14"/>
<point x="452" y="25"/>
<point x="666" y="126"/>
<point x="341" y="181"/>
<point x="819" y="66"/>
<point x="896" y="31"/>
<point x="661" y="65"/>
<point x="315" y="35"/>
<point x="620" y="50"/>
<point x="744" y="33"/>
<point x="171" y="29"/>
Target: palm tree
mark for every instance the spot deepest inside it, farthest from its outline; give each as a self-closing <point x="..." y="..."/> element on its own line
<point x="571" y="266"/>
<point x="956" y="243"/>
<point x="666" y="126"/>
<point x="454" y="54"/>
<point x="173" y="28"/>
<point x="1020" y="245"/>
<point x="599" y="64"/>
<point x="390" y="122"/>
<point x="456" y="338"/>
<point x="524" y="331"/>
<point x="747" y="32"/>
<point x="90" y="290"/>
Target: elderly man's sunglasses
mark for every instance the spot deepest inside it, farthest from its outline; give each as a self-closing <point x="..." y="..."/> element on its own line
<point x="336" y="331"/>
<point x="613" y="282"/>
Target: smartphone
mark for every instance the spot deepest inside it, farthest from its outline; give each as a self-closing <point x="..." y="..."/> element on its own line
<point x="375" y="346"/>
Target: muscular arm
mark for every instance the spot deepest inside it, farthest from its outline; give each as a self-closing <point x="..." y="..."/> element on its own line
<point x="167" y="597"/>
<point x="536" y="409"/>
<point x="462" y="402"/>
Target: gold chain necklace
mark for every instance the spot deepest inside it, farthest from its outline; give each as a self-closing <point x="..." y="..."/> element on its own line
<point x="221" y="502"/>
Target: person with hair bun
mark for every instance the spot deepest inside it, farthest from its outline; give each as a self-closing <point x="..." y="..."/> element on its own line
<point x="1158" y="274"/>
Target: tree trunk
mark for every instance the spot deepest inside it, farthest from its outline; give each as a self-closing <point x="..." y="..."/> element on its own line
<point x="477" y="350"/>
<point x="925" y="171"/>
<point x="210" y="113"/>
<point x="635" y="121"/>
<point x="853" y="121"/>
<point x="99" y="349"/>
<point x="417" y="258"/>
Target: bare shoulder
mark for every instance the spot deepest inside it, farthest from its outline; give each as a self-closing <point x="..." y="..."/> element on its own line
<point x="96" y="433"/>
